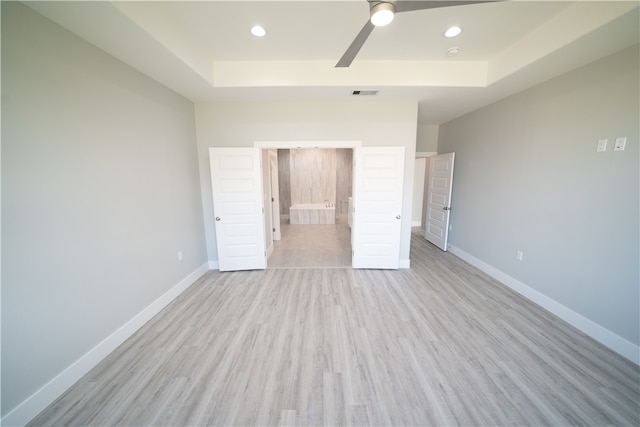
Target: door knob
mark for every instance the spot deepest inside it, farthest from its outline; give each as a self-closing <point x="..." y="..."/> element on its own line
<point x="446" y="208"/>
<point x="217" y="218"/>
<point x="398" y="217"/>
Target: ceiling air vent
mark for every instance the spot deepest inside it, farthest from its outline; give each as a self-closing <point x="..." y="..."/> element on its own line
<point x="364" y="92"/>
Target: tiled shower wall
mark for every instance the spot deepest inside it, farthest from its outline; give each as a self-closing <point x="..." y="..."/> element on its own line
<point x="315" y="175"/>
<point x="344" y="178"/>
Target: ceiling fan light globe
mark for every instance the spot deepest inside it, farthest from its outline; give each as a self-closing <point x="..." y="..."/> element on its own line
<point x="382" y="14"/>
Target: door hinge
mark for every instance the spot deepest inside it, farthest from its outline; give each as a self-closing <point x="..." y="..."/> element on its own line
<point x="273" y="200"/>
<point x="274" y="230"/>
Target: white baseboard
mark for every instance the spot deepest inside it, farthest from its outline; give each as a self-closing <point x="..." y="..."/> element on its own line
<point x="416" y="223"/>
<point x="213" y="265"/>
<point x="42" y="398"/>
<point x="404" y="263"/>
<point x="589" y="327"/>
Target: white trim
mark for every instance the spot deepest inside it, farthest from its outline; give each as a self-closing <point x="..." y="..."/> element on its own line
<point x="307" y="144"/>
<point x="422" y="154"/>
<point x="48" y="393"/>
<point x="213" y="265"/>
<point x="404" y="263"/>
<point x="416" y="224"/>
<point x="597" y="332"/>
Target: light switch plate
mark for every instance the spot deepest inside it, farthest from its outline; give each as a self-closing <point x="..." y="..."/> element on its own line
<point x="620" y="143"/>
<point x="602" y="145"/>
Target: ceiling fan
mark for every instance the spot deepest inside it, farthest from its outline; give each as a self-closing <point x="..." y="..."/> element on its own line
<point x="382" y="13"/>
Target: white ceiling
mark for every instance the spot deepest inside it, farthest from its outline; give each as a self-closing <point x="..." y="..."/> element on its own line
<point x="204" y="51"/>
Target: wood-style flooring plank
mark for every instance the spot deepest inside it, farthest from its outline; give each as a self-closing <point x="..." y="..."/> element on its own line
<point x="438" y="344"/>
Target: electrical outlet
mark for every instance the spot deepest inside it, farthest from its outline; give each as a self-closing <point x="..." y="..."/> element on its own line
<point x="179" y="255"/>
<point x="620" y="143"/>
<point x="519" y="255"/>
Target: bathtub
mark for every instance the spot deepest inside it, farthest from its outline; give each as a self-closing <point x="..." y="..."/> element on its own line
<point x="312" y="214"/>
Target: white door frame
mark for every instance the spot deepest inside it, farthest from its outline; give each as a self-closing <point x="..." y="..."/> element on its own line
<point x="268" y="145"/>
<point x="314" y="144"/>
<point x="306" y="144"/>
<point x="275" y="145"/>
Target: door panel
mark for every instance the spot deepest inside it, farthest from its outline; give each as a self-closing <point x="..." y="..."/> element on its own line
<point x="440" y="181"/>
<point x="275" y="194"/>
<point x="378" y="181"/>
<point x="237" y="203"/>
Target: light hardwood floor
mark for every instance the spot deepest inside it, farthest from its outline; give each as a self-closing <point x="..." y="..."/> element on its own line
<point x="438" y="344"/>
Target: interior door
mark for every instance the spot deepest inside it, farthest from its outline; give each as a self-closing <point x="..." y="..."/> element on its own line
<point x="436" y="229"/>
<point x="237" y="204"/>
<point x="378" y="181"/>
<point x="275" y="194"/>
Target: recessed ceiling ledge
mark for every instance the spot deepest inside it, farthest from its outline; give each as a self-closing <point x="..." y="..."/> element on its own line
<point x="573" y="24"/>
<point x="361" y="73"/>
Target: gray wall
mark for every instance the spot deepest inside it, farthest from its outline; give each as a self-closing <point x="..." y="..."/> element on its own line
<point x="427" y="138"/>
<point x="100" y="190"/>
<point x="527" y="177"/>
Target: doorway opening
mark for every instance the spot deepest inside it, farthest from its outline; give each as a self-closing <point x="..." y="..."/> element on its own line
<point x="322" y="174"/>
<point x="244" y="223"/>
<point x="314" y="192"/>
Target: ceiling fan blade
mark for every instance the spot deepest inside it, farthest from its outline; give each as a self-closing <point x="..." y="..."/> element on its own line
<point x="400" y="6"/>
<point x="410" y="5"/>
<point x="355" y="45"/>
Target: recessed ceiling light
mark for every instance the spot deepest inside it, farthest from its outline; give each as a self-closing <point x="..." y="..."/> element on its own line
<point x="258" y="31"/>
<point x="453" y="31"/>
